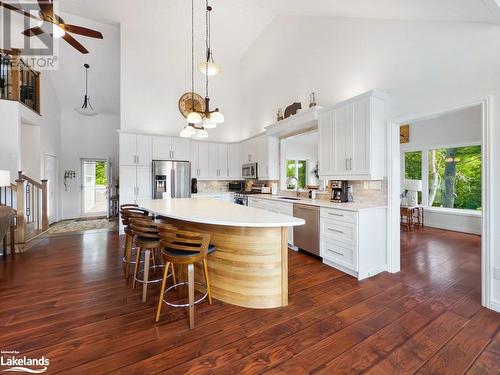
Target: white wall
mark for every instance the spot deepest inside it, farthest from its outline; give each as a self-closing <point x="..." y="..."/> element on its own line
<point x="460" y="127"/>
<point x="30" y="150"/>
<point x="9" y="137"/>
<point x="425" y="67"/>
<point x="84" y="137"/>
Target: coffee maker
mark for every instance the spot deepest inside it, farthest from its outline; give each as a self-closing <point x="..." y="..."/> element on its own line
<point x="339" y="191"/>
<point x="194" y="186"/>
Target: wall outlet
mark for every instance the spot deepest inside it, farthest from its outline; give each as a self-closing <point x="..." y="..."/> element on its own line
<point x="496" y="273"/>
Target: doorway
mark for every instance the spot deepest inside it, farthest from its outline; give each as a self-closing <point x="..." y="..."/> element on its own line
<point x="395" y="174"/>
<point x="50" y="174"/>
<point x="95" y="187"/>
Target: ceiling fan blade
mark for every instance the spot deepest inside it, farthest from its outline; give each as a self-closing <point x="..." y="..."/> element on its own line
<point x="17" y="10"/>
<point x="46" y="7"/>
<point x="82" y="31"/>
<point x="33" y="31"/>
<point x="75" y="43"/>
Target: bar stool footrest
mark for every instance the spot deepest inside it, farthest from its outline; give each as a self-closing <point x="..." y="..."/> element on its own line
<point x="185" y="304"/>
<point x="140" y="275"/>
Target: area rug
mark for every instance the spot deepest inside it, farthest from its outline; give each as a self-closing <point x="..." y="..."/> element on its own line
<point x="79" y="225"/>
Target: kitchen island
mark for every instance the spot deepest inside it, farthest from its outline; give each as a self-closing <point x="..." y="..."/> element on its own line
<point x="250" y="266"/>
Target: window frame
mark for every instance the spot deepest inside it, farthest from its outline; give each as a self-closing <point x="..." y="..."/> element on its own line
<point x="425" y="171"/>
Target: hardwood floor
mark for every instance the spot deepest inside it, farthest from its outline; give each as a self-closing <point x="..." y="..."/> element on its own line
<point x="66" y="299"/>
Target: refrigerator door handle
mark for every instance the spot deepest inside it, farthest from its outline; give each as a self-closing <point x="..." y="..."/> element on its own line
<point x="172" y="183"/>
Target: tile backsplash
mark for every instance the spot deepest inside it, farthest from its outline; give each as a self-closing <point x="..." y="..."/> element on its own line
<point x="212" y="186"/>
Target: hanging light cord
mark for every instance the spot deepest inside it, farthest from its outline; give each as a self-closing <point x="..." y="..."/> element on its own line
<point x="192" y="55"/>
<point x="207" y="44"/>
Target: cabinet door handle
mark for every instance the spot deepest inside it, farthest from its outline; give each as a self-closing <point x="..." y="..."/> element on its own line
<point x="350" y="164"/>
<point x="335" y="230"/>
<point x="336" y="252"/>
<point x="339" y="215"/>
<point x="137" y="159"/>
<point x="227" y="172"/>
<point x="346" y="164"/>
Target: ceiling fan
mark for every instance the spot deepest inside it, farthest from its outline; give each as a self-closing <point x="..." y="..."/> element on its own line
<point x="53" y="25"/>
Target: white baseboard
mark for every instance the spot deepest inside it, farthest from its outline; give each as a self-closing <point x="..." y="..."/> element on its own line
<point x="495" y="305"/>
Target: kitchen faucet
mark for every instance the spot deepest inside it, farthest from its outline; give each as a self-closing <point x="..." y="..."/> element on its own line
<point x="296" y="184"/>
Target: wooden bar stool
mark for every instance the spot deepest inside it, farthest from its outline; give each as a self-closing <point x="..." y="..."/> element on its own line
<point x="147" y="240"/>
<point x="184" y="248"/>
<point x="128" y="211"/>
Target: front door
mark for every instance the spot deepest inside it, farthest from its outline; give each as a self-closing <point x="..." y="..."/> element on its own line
<point x="95" y="187"/>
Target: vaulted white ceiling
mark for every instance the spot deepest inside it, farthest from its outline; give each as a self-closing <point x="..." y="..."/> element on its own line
<point x="444" y="10"/>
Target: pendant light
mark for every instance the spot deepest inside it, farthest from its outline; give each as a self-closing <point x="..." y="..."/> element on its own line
<point x="208" y="67"/>
<point x="199" y="121"/>
<point x="86" y="109"/>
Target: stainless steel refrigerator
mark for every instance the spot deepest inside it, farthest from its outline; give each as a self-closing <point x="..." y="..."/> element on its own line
<point x="172" y="178"/>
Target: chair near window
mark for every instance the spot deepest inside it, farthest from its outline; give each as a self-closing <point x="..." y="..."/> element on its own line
<point x="184" y="248"/>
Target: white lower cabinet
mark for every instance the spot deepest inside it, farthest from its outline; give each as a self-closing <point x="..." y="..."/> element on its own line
<point x="135" y="183"/>
<point x="276" y="207"/>
<point x="226" y="197"/>
<point x="354" y="241"/>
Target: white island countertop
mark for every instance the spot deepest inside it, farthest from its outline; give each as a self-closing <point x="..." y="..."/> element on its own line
<point x="216" y="212"/>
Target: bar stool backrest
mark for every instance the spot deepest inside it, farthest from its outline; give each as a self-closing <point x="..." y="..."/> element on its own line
<point x="127" y="213"/>
<point x="185" y="241"/>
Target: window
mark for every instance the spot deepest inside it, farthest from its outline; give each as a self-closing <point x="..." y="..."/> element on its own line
<point x="296" y="168"/>
<point x="413" y="165"/>
<point x="455" y="177"/>
<point x="413" y="168"/>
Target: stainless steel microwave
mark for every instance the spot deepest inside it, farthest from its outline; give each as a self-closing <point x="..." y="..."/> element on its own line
<point x="249" y="171"/>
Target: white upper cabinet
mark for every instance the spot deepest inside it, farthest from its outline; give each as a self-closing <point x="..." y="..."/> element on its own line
<point x="180" y="148"/>
<point x="222" y="163"/>
<point x="234" y="161"/>
<point x="135" y="149"/>
<point x="352" y="139"/>
<point x="264" y="151"/>
<point x="170" y="148"/>
<point x="200" y="165"/>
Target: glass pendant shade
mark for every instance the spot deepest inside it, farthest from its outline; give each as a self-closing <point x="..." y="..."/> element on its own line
<point x="185" y="133"/>
<point x="52" y="29"/>
<point x="209" y="68"/>
<point x="209" y="124"/>
<point x="202" y="133"/>
<point x="194" y="118"/>
<point x="217" y="117"/>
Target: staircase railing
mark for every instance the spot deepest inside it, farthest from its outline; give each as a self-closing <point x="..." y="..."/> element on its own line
<point x="32" y="207"/>
<point x="30" y="200"/>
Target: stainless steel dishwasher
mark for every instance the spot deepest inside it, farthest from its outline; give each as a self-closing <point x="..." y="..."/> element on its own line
<point x="306" y="237"/>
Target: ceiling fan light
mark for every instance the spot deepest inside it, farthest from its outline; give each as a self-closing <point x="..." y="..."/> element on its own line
<point x="194" y="118"/>
<point x="217" y="117"/>
<point x="208" y="123"/>
<point x="202" y="133"/>
<point x="209" y="68"/>
<point x="52" y="29"/>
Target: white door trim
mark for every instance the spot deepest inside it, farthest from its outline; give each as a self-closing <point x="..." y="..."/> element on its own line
<point x="393" y="187"/>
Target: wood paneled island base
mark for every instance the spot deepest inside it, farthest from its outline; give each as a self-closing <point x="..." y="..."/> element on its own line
<point x="250" y="266"/>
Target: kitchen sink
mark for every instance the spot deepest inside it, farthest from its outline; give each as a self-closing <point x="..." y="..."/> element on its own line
<point x="290" y="198"/>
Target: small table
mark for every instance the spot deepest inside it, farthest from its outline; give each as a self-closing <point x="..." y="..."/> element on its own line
<point x="412" y="216"/>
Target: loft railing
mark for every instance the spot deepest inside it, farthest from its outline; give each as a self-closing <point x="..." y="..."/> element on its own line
<point x="30" y="200"/>
<point x="18" y="81"/>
